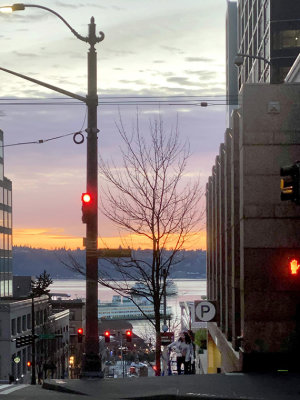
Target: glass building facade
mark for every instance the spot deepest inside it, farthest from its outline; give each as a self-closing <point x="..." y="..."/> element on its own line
<point x="6" y="275"/>
<point x="268" y="29"/>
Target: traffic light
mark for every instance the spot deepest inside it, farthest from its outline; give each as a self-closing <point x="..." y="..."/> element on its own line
<point x="289" y="184"/>
<point x="128" y="335"/>
<point x="86" y="200"/>
<point x="23" y="340"/>
<point x="107" y="336"/>
<point x="28" y="364"/>
<point x="79" y="335"/>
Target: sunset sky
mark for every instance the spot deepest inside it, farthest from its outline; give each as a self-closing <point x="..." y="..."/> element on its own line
<point x="151" y="48"/>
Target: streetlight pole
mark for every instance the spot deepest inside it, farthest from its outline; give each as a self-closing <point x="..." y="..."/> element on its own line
<point x="91" y="360"/>
<point x="33" y="357"/>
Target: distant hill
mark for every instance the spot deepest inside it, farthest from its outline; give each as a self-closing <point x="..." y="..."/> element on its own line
<point x="32" y="261"/>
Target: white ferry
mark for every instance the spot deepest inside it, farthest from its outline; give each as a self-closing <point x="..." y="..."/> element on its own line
<point x="123" y="308"/>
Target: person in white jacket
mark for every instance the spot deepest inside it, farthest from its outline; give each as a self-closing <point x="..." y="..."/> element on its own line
<point x="178" y="347"/>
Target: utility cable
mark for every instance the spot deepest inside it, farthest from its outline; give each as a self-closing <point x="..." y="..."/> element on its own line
<point x="40" y="141"/>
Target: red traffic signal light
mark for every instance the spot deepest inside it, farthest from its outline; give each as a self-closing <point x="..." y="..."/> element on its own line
<point x="28" y="363"/>
<point x="79" y="334"/>
<point x="107" y="336"/>
<point x="128" y="335"/>
<point x="86" y="200"/>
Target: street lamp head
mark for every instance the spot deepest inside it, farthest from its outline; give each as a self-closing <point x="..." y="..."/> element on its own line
<point x="238" y="61"/>
<point x="14" y="7"/>
<point x="18" y="7"/>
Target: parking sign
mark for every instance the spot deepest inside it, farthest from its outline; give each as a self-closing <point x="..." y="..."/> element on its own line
<point x="205" y="311"/>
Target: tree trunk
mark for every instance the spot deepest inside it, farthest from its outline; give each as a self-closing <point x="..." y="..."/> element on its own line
<point x="157" y="353"/>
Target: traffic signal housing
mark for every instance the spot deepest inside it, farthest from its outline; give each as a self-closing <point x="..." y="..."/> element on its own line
<point x="23" y="341"/>
<point x="128" y="334"/>
<point x="107" y="336"/>
<point x="80" y="334"/>
<point x="289" y="183"/>
<point x="86" y="200"/>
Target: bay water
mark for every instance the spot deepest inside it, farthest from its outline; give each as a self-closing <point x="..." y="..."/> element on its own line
<point x="187" y="290"/>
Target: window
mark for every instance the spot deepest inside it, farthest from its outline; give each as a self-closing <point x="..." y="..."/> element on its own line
<point x="24" y="327"/>
<point x="13" y="327"/>
<point x="9" y="200"/>
<point x="286" y="39"/>
<point x="28" y="321"/>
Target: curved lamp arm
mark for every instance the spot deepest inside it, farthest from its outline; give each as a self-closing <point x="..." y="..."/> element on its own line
<point x="239" y="59"/>
<point x="92" y="39"/>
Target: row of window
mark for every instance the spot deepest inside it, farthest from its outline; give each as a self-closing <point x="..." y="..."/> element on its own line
<point x="5" y="195"/>
<point x="23" y="323"/>
<point x="5" y="242"/>
<point x="6" y="219"/>
<point x="6" y="288"/>
<point x="254" y="39"/>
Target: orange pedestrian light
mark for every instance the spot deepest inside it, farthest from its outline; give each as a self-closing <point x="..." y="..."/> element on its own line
<point x="294" y="266"/>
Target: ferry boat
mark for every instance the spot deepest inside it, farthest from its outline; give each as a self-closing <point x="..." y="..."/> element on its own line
<point x="123" y="308"/>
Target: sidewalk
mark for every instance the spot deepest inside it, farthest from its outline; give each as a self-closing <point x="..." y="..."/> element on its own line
<point x="219" y="386"/>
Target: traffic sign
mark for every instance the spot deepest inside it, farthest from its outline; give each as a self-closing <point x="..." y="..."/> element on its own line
<point x="114" y="253"/>
<point x="205" y="311"/>
<point x="166" y="338"/>
<point x="165" y="328"/>
<point x="47" y="336"/>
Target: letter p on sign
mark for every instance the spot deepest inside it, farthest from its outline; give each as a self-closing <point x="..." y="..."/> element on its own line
<point x="205" y="311"/>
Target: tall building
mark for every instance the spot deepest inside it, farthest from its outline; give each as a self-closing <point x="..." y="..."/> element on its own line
<point x="253" y="240"/>
<point x="6" y="278"/>
<point x="231" y="51"/>
<point x="269" y="29"/>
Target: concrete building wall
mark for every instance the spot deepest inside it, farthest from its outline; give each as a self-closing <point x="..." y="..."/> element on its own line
<point x="231" y="51"/>
<point x="15" y="320"/>
<point x="257" y="297"/>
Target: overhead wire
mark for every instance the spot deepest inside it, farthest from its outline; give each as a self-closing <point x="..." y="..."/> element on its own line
<point x="179" y="100"/>
<point x="41" y="141"/>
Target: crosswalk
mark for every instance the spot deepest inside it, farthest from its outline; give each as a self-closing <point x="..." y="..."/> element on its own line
<point x="6" y="389"/>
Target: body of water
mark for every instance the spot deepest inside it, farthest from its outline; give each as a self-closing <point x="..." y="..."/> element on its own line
<point x="188" y="290"/>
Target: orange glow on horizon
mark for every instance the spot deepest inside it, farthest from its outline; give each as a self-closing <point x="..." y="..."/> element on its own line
<point x="50" y="238"/>
<point x="294" y="266"/>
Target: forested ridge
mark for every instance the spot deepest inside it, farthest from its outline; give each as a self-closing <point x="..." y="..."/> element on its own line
<point x="33" y="261"/>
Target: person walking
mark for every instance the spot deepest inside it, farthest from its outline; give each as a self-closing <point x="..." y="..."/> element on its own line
<point x="187" y="350"/>
<point x="178" y="347"/>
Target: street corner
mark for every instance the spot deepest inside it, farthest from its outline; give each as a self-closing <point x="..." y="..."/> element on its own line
<point x="61" y="385"/>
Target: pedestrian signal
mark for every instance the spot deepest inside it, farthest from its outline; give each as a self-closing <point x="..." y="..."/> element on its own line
<point x="294" y="266"/>
<point x="289" y="184"/>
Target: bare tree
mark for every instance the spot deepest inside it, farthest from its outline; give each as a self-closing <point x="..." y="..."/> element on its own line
<point x="147" y="196"/>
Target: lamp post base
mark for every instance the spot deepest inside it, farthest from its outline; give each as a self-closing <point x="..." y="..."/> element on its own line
<point x="91" y="366"/>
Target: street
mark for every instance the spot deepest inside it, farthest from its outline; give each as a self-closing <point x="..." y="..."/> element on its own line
<point x="218" y="386"/>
